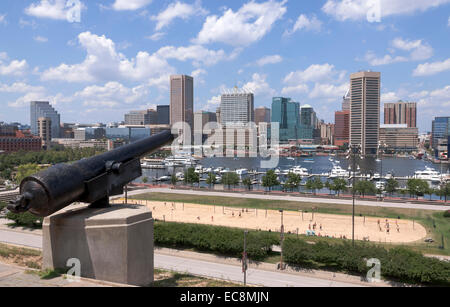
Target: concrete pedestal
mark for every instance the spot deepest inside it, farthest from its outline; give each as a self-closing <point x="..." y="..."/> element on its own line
<point x="112" y="244"/>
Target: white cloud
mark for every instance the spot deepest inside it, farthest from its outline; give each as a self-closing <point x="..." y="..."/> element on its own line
<point x="418" y="51"/>
<point x="313" y="73"/>
<point x="3" y="19"/>
<point x="51" y="9"/>
<point x="130" y="5"/>
<point x="40" y="39"/>
<point x="390" y="97"/>
<point x="326" y="90"/>
<point x="104" y="63"/>
<point x="156" y="36"/>
<point x="198" y="75"/>
<point x="448" y="22"/>
<point x="20" y="87"/>
<point x="296" y="89"/>
<point x="305" y="23"/>
<point x="270" y="59"/>
<point x="13" y="68"/>
<point x="429" y="69"/>
<point x="244" y="27"/>
<point x="111" y="94"/>
<point x="259" y="86"/>
<point x="198" y="54"/>
<point x="213" y="103"/>
<point x="343" y="10"/>
<point x="178" y="10"/>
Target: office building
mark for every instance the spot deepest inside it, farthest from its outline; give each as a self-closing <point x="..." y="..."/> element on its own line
<point x="346" y="100"/>
<point x="365" y="111"/>
<point x="45" y="131"/>
<point x="440" y="132"/>
<point x="237" y="108"/>
<point x="342" y="128"/>
<point x="262" y="115"/>
<point x="44" y="109"/>
<point x="401" y="113"/>
<point x="399" y="137"/>
<point x="146" y="117"/>
<point x="182" y="100"/>
<point x="163" y="115"/>
<point x="287" y="113"/>
<point x="326" y="133"/>
<point x="20" y="141"/>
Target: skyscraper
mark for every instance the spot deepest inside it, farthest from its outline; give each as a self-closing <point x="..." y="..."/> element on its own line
<point x="365" y="110"/>
<point x="440" y="131"/>
<point x="237" y="107"/>
<point x="401" y="113"/>
<point x="287" y="113"/>
<point x="140" y="118"/>
<point x="342" y="128"/>
<point x="182" y="99"/>
<point x="262" y="115"/>
<point x="44" y="109"/>
<point x="163" y="115"/>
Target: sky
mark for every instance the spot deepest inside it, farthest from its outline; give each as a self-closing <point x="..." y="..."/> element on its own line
<point x="96" y="60"/>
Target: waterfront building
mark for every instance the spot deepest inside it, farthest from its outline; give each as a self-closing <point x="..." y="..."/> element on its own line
<point x="44" y="109"/>
<point x="89" y="133"/>
<point x="182" y="100"/>
<point x="19" y="141"/>
<point x="287" y="113"/>
<point x="401" y="113"/>
<point x="237" y="107"/>
<point x="399" y="137"/>
<point x="440" y="132"/>
<point x="326" y="133"/>
<point x="342" y="128"/>
<point x="365" y="111"/>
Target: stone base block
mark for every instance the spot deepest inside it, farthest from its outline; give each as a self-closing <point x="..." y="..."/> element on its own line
<point x="112" y="244"/>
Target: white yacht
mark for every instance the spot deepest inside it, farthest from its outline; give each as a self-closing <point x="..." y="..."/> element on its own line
<point x="298" y="170"/>
<point x="218" y="170"/>
<point x="428" y="174"/>
<point x="199" y="169"/>
<point x="338" y="172"/>
<point x="180" y="161"/>
<point x="242" y="172"/>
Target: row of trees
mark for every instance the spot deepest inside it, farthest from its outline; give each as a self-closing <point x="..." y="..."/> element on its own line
<point x="415" y="187"/>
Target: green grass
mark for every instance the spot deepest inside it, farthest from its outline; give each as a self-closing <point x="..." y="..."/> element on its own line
<point x="7" y="251"/>
<point x="427" y="218"/>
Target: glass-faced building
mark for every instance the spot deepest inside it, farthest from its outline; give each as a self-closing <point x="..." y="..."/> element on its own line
<point x="43" y="109"/>
<point x="128" y="134"/>
<point x="441" y="130"/>
<point x="287" y="113"/>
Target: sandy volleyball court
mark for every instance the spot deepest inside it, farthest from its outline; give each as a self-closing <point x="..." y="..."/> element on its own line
<point x="337" y="226"/>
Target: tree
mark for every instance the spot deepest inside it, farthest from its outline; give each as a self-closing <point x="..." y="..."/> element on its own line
<point x="247" y="182"/>
<point x="173" y="179"/>
<point x="314" y="184"/>
<point x="191" y="177"/>
<point x="270" y="180"/>
<point x="417" y="187"/>
<point x="230" y="179"/>
<point x="444" y="190"/>
<point x="365" y="187"/>
<point x="26" y="170"/>
<point x="211" y="180"/>
<point x="339" y="185"/>
<point x="292" y="182"/>
<point x="145" y="180"/>
<point x="391" y="186"/>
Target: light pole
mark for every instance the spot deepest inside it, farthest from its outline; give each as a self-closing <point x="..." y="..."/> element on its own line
<point x="282" y="239"/>
<point x="244" y="258"/>
<point x="355" y="150"/>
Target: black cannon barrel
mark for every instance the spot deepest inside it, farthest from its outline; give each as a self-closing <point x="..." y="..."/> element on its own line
<point x="88" y="180"/>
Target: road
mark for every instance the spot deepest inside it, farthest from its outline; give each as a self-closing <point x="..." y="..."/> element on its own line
<point x="202" y="268"/>
<point x="296" y="199"/>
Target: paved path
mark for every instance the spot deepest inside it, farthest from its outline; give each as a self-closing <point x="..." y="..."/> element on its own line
<point x="234" y="273"/>
<point x="296" y="199"/>
<point x="201" y="267"/>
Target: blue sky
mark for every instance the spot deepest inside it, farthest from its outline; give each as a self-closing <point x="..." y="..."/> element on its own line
<point x="120" y="55"/>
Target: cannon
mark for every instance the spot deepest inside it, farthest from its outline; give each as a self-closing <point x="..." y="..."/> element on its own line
<point x="92" y="180"/>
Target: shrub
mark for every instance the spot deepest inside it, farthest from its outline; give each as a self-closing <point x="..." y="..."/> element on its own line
<point x="397" y="263"/>
<point x="25" y="219"/>
<point x="447" y="213"/>
<point x="221" y="240"/>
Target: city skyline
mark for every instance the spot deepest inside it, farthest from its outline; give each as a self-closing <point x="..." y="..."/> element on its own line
<point x="287" y="55"/>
